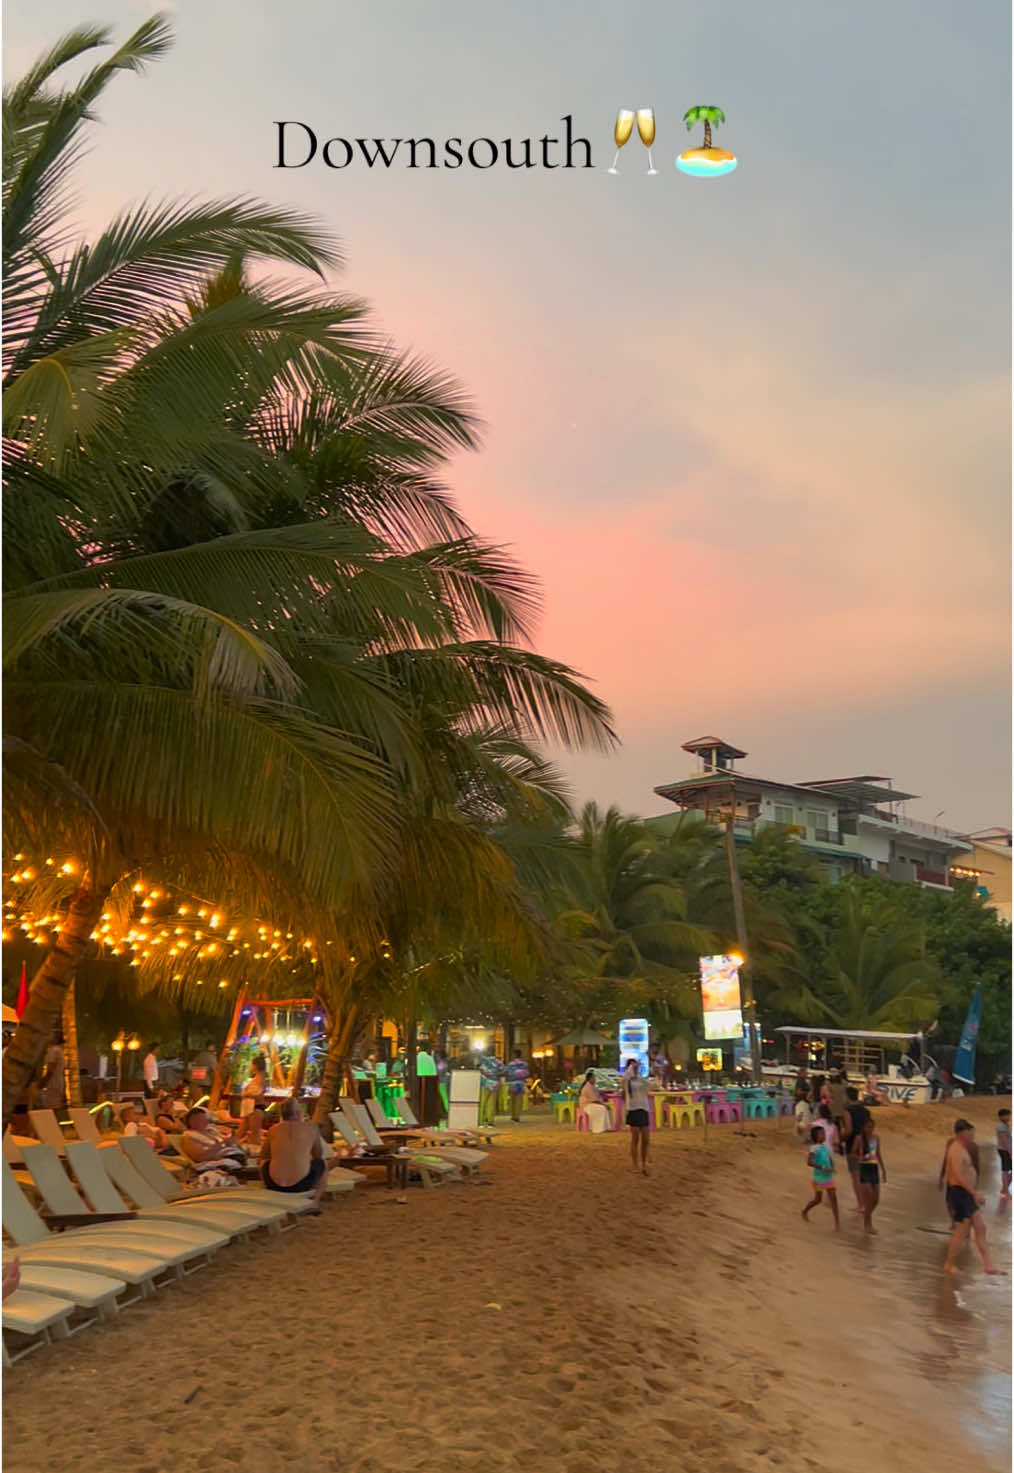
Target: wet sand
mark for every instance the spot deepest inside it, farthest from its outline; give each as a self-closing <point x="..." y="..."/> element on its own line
<point x="567" y="1313"/>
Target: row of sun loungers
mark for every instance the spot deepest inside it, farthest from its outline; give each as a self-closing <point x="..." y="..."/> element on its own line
<point x="122" y="1228"/>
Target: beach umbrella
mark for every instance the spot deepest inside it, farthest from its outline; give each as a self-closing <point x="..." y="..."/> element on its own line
<point x="10" y="1016"/>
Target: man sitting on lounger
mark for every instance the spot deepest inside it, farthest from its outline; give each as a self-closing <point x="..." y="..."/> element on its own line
<point x="206" y="1151"/>
<point x="292" y="1157"/>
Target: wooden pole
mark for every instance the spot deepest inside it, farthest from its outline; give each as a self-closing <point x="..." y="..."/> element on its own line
<point x="300" y="1068"/>
<point x="227" y="1047"/>
<point x="739" y="917"/>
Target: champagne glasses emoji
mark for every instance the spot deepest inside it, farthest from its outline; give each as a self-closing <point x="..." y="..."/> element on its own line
<point x="622" y="131"/>
<point x="646" y="128"/>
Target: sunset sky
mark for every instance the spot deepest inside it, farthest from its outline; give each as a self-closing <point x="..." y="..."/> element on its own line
<point x="751" y="433"/>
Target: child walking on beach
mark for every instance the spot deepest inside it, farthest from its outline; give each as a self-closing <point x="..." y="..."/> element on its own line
<point x="821" y="1164"/>
<point x="1003" y="1151"/>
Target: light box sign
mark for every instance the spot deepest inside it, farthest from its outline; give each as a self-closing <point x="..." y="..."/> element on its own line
<point x="710" y="1059"/>
<point x="634" y="1040"/>
<point x="720" y="997"/>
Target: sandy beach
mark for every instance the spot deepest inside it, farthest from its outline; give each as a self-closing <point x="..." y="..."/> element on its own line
<point x="566" y="1312"/>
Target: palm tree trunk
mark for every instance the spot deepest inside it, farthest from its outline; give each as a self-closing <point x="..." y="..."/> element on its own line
<point x="72" y="1063"/>
<point x="707" y="135"/>
<point x="411" y="1045"/>
<point x="49" y="988"/>
<point x="331" y="1076"/>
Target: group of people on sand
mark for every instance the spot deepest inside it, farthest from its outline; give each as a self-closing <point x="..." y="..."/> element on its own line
<point x="291" y="1151"/>
<point x="844" y="1126"/>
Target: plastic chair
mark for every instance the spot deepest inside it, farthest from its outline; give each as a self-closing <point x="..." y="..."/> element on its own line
<point x="581" y="1121"/>
<point x="564" y="1107"/>
<point x="785" y="1106"/>
<point x="718" y="1112"/>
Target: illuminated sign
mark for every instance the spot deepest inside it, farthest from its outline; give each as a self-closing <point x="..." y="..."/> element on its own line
<point x="710" y="1059"/>
<point x="720" y="997"/>
<point x="634" y="1038"/>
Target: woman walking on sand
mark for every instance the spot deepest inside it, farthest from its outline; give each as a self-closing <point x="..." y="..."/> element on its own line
<point x="871" y="1172"/>
<point x="637" y="1103"/>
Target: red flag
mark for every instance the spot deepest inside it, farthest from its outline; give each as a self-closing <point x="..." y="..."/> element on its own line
<point x="22" y="1002"/>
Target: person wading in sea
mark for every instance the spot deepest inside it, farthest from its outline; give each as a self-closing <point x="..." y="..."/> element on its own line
<point x="964" y="1198"/>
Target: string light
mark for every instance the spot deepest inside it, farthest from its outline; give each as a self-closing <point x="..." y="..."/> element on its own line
<point x="137" y="936"/>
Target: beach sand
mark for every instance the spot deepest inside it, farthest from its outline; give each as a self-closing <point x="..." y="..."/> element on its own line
<point x="571" y="1313"/>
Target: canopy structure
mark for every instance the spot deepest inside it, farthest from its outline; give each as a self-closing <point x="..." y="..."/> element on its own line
<point x="817" y="1031"/>
<point x="269" y="1023"/>
<point x="583" y="1038"/>
<point x="10" y="1016"/>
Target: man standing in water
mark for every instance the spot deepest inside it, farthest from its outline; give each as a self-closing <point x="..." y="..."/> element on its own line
<point x="964" y="1198"/>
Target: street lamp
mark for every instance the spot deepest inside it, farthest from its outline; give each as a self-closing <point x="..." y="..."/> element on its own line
<point x="118" y="1045"/>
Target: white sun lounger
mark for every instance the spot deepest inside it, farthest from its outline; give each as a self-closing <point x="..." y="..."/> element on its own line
<point x="188" y="1250"/>
<point x="85" y="1249"/>
<point x="409" y="1117"/>
<point x="38" y="1317"/>
<point x="466" y="1157"/>
<point x="47" y="1128"/>
<point x="216" y="1209"/>
<point x="431" y="1172"/>
<point x="87" y="1291"/>
<point x="92" y="1167"/>
<point x="151" y="1168"/>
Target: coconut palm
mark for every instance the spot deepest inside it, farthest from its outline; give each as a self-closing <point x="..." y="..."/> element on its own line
<point x="210" y="635"/>
<point x="708" y="115"/>
<point x="622" y="914"/>
<point x="881" y="976"/>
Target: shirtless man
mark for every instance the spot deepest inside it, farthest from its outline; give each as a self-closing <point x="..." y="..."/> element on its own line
<point x="964" y="1198"/>
<point x="292" y="1158"/>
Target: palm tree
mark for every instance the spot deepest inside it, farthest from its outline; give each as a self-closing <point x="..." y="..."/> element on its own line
<point x="708" y="115"/>
<point x="881" y="977"/>
<point x="213" y="646"/>
<point x="621" y="912"/>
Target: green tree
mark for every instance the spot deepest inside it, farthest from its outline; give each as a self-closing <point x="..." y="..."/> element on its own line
<point x="210" y="637"/>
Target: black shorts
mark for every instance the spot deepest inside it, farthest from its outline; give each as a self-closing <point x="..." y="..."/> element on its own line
<point x="1004" y="1158"/>
<point x="308" y="1183"/>
<point x="638" y="1119"/>
<point x="961" y="1204"/>
<point x="869" y="1174"/>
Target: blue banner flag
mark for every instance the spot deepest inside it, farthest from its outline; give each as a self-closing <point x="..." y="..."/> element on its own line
<point x="964" y="1060"/>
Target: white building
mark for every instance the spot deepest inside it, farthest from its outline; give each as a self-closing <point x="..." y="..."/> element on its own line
<point x="852" y="824"/>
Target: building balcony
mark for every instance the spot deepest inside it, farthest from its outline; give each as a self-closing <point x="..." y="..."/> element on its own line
<point x="934" y="877"/>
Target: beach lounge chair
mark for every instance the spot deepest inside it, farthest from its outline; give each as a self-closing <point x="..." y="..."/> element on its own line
<point x="431" y="1171"/>
<point x="89" y="1164"/>
<point x="189" y="1248"/>
<point x="466" y="1157"/>
<point x="36" y="1317"/>
<point x="140" y="1154"/>
<point x="85" y="1249"/>
<point x="85" y="1290"/>
<point x="461" y="1136"/>
<point x="47" y="1128"/>
<point x="232" y="1211"/>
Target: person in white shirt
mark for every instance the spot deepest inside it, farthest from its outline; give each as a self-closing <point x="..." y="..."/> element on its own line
<point x="804" y="1116"/>
<point x="150" y="1068"/>
<point x="134" y="1125"/>
<point x="635" y="1097"/>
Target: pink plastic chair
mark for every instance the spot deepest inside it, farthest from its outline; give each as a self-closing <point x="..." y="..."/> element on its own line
<point x="581" y="1121"/>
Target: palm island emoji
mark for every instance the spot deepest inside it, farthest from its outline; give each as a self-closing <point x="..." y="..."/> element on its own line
<point x="706" y="162"/>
